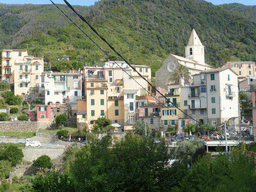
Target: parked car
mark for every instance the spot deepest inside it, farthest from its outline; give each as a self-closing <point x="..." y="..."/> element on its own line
<point x="32" y="143"/>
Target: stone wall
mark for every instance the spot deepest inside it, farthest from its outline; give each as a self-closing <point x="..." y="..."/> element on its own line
<point x="22" y="126"/>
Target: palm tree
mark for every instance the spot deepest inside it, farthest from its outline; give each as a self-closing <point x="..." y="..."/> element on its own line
<point x="181" y="72"/>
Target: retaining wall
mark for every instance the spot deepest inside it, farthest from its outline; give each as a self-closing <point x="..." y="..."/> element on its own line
<point x="22" y="126"/>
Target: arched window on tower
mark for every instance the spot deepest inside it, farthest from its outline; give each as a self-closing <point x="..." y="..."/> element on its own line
<point x="190" y="51"/>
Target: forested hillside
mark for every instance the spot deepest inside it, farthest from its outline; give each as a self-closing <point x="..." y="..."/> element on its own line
<point x="246" y="11"/>
<point x="144" y="32"/>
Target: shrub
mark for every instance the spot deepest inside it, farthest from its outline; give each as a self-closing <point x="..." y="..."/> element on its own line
<point x="12" y="99"/>
<point x="14" y="110"/>
<point x="4" y="116"/>
<point x="63" y="132"/>
<point x="2" y="103"/>
<point x="43" y="161"/>
<point x="61" y="119"/>
<point x="23" y="117"/>
<point x="13" y="154"/>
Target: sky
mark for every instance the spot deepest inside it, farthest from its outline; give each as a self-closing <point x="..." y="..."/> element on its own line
<point x="91" y="2"/>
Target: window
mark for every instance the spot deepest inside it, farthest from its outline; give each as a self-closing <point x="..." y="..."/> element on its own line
<point x="26" y="84"/>
<point x="165" y="122"/>
<point x="116" y="112"/>
<point x="42" y="116"/>
<point x="83" y="116"/>
<point x="7" y="62"/>
<point x="146" y="112"/>
<point x="92" y="84"/>
<point x="173" y="112"/>
<point x="26" y="68"/>
<point x="132" y="96"/>
<point x="62" y="78"/>
<point x="131" y="119"/>
<point x="172" y="122"/>
<point x="116" y="102"/>
<point x="191" y="51"/>
<point x="213" y="111"/>
<point x="101" y="101"/>
<point x="92" y="113"/>
<point x="174" y="101"/>
<point x="249" y="66"/>
<point x="36" y="67"/>
<point x="214" y="122"/>
<point x="212" y="88"/>
<point x="151" y="121"/>
<point x="19" y="53"/>
<point x="20" y="67"/>
<point x="102" y="92"/>
<point x="140" y="69"/>
<point x="91" y="122"/>
<point x="240" y="73"/>
<point x="201" y="111"/>
<point x="42" y="108"/>
<point x="110" y="79"/>
<point x="26" y="76"/>
<point x="36" y="76"/>
<point x="128" y="96"/>
<point x="92" y="92"/>
<point x="92" y="101"/>
<point x="203" y="89"/>
<point x="213" y="99"/>
<point x="20" y="76"/>
<point x="63" y="93"/>
<point x="228" y="77"/>
<point x="185" y="103"/>
<point x="250" y="73"/>
<point x="165" y="112"/>
<point x="76" y="93"/>
<point x="102" y="112"/>
<point x="21" y="84"/>
<point x="110" y="73"/>
<point x="131" y="106"/>
<point x="212" y="76"/>
<point x="146" y="70"/>
<point x="75" y="76"/>
<point x="48" y="92"/>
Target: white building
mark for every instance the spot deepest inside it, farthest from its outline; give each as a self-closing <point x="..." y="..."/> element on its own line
<point x="213" y="96"/>
<point x="61" y="87"/>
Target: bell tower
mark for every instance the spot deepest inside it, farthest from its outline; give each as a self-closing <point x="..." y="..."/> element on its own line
<point x="195" y="49"/>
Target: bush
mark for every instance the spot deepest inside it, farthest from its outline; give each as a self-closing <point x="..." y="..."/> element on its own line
<point x="13" y="154"/>
<point x="4" y="116"/>
<point x="23" y="117"/>
<point x="14" y="110"/>
<point x="11" y="99"/>
<point x="2" y="103"/>
<point x="61" y="119"/>
<point x="43" y="161"/>
<point x="63" y="132"/>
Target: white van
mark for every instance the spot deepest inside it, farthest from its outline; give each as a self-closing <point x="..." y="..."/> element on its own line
<point x="32" y="143"/>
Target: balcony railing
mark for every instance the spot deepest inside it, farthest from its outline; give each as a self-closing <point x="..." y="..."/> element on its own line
<point x="26" y="80"/>
<point x="193" y="95"/>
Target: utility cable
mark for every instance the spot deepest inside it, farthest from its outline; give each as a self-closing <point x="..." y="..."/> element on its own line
<point x="103" y="39"/>
<point x="101" y="48"/>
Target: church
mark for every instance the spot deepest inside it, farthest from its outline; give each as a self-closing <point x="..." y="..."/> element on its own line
<point x="194" y="61"/>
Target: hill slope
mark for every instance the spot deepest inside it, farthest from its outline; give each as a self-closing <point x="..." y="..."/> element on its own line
<point x="146" y="32"/>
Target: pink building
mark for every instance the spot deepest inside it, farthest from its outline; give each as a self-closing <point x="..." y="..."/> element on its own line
<point x="43" y="113"/>
<point x="253" y="90"/>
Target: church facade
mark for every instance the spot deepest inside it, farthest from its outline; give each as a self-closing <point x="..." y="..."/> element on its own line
<point x="194" y="61"/>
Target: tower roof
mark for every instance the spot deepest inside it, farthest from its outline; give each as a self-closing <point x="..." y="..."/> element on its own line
<point x="194" y="39"/>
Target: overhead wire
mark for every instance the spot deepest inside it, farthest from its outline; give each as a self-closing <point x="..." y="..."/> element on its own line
<point x="111" y="47"/>
<point x="100" y="48"/>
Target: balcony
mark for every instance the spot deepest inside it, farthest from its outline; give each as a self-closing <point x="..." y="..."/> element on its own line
<point x="193" y="95"/>
<point x="27" y="71"/>
<point x="26" y="80"/>
<point x="196" y="107"/>
<point x="230" y="94"/>
<point x="116" y="97"/>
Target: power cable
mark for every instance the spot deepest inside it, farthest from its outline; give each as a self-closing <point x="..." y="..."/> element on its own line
<point x="101" y="48"/>
<point x="111" y="47"/>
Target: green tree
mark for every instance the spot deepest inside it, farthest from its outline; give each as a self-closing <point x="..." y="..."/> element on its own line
<point x="14" y="110"/>
<point x="11" y="99"/>
<point x="23" y="117"/>
<point x="43" y="162"/>
<point x="102" y="125"/>
<point x="61" y="119"/>
<point x="5" y="169"/>
<point x="190" y="128"/>
<point x="180" y="72"/>
<point x="12" y="154"/>
<point x="63" y="132"/>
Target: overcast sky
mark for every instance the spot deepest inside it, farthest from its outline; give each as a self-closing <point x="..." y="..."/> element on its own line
<point x="91" y="2"/>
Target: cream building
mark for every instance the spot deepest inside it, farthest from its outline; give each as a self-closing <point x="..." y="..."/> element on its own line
<point x="9" y="58"/>
<point x="27" y="76"/>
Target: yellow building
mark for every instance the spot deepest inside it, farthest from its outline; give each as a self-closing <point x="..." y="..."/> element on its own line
<point x="27" y="76"/>
<point x="96" y="98"/>
<point x="115" y="103"/>
<point x="9" y="58"/>
<point x="170" y="114"/>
